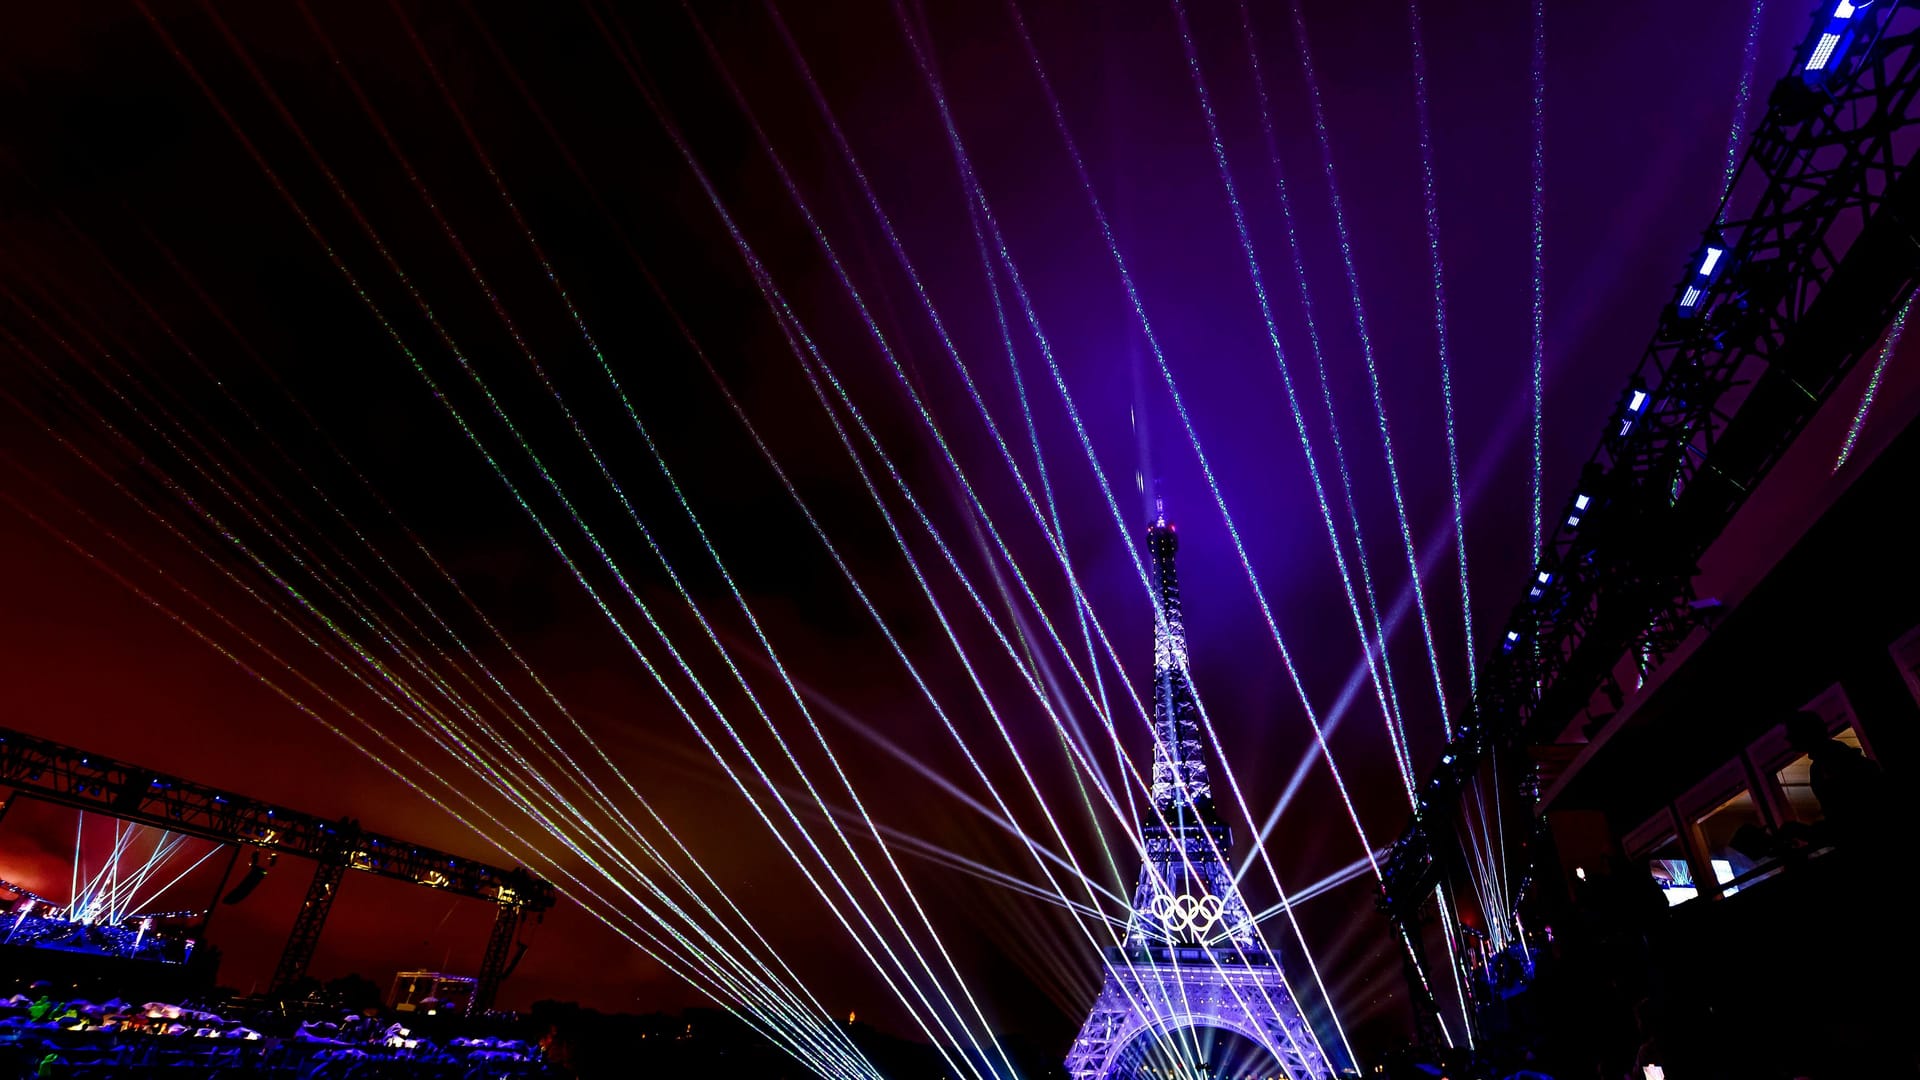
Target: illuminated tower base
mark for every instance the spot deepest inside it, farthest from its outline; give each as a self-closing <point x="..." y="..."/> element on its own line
<point x="1146" y="1001"/>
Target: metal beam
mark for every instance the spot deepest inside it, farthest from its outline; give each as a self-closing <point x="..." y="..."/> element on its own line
<point x="497" y="960"/>
<point x="1818" y="229"/>
<point x="71" y="777"/>
<point x="327" y="875"/>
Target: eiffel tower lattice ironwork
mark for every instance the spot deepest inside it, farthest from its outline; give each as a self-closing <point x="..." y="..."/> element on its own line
<point x="1191" y="959"/>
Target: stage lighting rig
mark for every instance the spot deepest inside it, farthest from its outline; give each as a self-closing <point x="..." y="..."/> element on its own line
<point x="1708" y="263"/>
<point x="1826" y="48"/>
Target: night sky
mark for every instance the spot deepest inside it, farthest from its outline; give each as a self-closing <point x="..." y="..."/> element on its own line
<point x="175" y="337"/>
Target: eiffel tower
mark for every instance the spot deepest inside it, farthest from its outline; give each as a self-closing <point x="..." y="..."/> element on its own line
<point x="1191" y="959"/>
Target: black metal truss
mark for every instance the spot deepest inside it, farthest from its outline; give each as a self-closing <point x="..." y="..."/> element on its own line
<point x="498" y="959"/>
<point x="62" y="774"/>
<point x="1819" y="230"/>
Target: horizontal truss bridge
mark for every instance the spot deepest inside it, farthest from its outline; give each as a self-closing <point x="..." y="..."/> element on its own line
<point x="1818" y="232"/>
<point x="67" y="776"/>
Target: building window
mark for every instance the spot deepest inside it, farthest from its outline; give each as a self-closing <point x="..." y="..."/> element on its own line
<point x="1796" y="786"/>
<point x="1667" y="862"/>
<point x="1734" y="824"/>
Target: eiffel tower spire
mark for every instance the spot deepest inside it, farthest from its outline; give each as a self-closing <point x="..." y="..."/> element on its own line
<point x="1184" y="837"/>
<point x="1180" y="785"/>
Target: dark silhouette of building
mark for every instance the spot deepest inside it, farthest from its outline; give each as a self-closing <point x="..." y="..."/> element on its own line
<point x="1760" y="789"/>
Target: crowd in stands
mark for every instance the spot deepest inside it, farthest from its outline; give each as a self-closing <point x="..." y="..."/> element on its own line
<point x="43" y="1036"/>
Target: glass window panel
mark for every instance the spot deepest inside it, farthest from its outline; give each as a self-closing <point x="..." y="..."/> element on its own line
<point x="1797" y="789"/>
<point x="1667" y="862"/>
<point x="1721" y="828"/>
<point x="1796" y="784"/>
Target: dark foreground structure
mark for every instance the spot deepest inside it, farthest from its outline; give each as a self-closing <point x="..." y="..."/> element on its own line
<point x="88" y="996"/>
<point x="37" y="768"/>
<point x="1708" y="794"/>
<point x="1723" y="888"/>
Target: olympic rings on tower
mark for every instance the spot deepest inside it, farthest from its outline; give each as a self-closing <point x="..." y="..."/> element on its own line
<point x="1186" y="912"/>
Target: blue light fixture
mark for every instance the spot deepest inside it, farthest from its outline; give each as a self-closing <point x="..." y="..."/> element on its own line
<point x="1708" y="263"/>
<point x="1540" y="583"/>
<point x="1633" y="406"/>
<point x="1828" y="45"/>
<point x="1580" y="504"/>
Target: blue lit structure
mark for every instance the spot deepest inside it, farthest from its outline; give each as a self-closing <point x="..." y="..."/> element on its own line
<point x="1191" y="959"/>
<point x="1705" y="268"/>
<point x="1826" y="49"/>
<point x="1633" y="406"/>
<point x="1817" y="257"/>
<point x="1581" y="504"/>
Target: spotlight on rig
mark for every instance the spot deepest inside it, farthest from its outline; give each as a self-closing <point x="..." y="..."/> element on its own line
<point x="1634" y="405"/>
<point x="1580" y="504"/>
<point x="1707" y="264"/>
<point x="256" y="873"/>
<point x="1828" y="45"/>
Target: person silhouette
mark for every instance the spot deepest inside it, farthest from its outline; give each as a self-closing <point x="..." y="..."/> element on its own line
<point x="1849" y="785"/>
